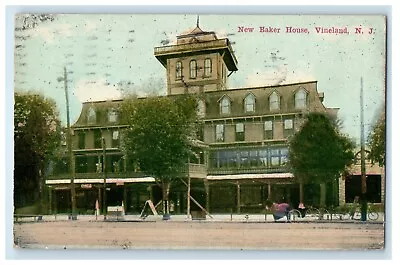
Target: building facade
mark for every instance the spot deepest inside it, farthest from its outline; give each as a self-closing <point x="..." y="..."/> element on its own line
<point x="244" y="139"/>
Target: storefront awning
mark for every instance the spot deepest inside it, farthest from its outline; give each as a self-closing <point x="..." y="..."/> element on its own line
<point x="251" y="176"/>
<point x="92" y="181"/>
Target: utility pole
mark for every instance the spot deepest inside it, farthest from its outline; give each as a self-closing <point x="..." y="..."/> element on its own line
<point x="363" y="198"/>
<point x="188" y="192"/>
<point x="103" y="143"/>
<point x="69" y="143"/>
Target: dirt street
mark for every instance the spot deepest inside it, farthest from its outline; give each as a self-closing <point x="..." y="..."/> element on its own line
<point x="198" y="235"/>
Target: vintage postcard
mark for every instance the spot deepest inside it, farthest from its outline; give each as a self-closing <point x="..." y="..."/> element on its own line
<point x="186" y="131"/>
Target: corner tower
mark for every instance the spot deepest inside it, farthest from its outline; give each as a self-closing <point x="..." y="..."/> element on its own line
<point x="197" y="63"/>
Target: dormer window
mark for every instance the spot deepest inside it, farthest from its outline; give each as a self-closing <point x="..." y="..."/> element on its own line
<point x="249" y="103"/>
<point x="207" y="67"/>
<point x="193" y="69"/>
<point x="300" y="99"/>
<point x="201" y="108"/>
<point x="91" y="116"/>
<point x="178" y="69"/>
<point x="274" y="101"/>
<point x="112" y="115"/>
<point x="225" y="105"/>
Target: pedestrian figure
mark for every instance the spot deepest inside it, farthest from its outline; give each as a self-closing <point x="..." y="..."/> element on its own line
<point x="302" y="209"/>
<point x="279" y="210"/>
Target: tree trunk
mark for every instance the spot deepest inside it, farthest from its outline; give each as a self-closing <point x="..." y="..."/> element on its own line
<point x="165" y="189"/>
<point x="322" y="197"/>
<point x="301" y="195"/>
<point x="41" y="187"/>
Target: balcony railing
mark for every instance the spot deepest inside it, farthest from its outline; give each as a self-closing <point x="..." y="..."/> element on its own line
<point x="227" y="171"/>
<point x="197" y="170"/>
<point x="196" y="46"/>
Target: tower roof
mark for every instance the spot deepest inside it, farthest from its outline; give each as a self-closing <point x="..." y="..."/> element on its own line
<point x="198" y="41"/>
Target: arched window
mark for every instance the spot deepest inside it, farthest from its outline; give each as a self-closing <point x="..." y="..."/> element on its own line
<point x="91" y="116"/>
<point x="201" y="108"/>
<point x="300" y="99"/>
<point x="207" y="67"/>
<point x="193" y="69"/>
<point x="250" y="103"/>
<point x="225" y="105"/>
<point x="178" y="69"/>
<point x="274" y="101"/>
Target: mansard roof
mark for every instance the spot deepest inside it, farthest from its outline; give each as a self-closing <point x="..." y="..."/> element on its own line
<point x="236" y="96"/>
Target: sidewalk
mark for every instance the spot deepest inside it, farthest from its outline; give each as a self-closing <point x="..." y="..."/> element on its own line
<point x="241" y="218"/>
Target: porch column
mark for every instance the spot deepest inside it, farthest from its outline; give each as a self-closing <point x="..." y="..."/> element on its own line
<point x="50" y="191"/>
<point x="270" y="191"/>
<point x="55" y="202"/>
<point x="207" y="187"/>
<point x="287" y="195"/>
<point x="124" y="198"/>
<point x="301" y="192"/>
<point x="238" y="198"/>
<point x="100" y="198"/>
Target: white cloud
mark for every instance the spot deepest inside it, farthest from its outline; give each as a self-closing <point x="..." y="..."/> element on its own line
<point x="52" y="32"/>
<point x="89" y="25"/>
<point x="95" y="90"/>
<point x="277" y="75"/>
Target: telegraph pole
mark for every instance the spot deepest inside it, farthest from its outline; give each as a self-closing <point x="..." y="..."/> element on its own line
<point x="363" y="174"/>
<point x="70" y="154"/>
<point x="188" y="192"/>
<point x="103" y="143"/>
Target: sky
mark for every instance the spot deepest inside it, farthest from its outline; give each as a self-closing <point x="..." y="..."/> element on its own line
<point x="107" y="53"/>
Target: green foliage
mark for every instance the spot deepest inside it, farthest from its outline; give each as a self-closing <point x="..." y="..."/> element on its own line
<point x="36" y="136"/>
<point x="36" y="124"/>
<point x="318" y="153"/>
<point x="377" y="142"/>
<point x="159" y="134"/>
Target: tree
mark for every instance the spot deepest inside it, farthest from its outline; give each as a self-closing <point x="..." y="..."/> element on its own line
<point x="159" y="136"/>
<point x="318" y="153"/>
<point x="36" y="136"/>
<point x="377" y="142"/>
